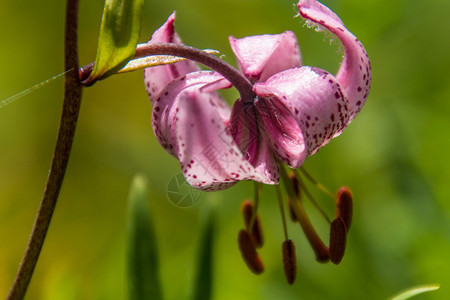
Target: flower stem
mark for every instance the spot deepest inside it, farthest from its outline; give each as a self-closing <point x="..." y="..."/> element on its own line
<point x="70" y="110"/>
<point x="240" y="82"/>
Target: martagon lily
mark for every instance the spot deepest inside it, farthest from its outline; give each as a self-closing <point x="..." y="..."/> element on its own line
<point x="295" y="110"/>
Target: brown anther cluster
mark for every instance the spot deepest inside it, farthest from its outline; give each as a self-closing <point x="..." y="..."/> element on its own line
<point x="255" y="231"/>
<point x="251" y="238"/>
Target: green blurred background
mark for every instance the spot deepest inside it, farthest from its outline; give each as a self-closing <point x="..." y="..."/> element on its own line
<point x="393" y="156"/>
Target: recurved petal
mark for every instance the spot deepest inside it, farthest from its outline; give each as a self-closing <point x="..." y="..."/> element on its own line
<point x="281" y="130"/>
<point x="156" y="78"/>
<point x="209" y="157"/>
<point x="315" y="99"/>
<point x="262" y="56"/>
<point x="354" y="73"/>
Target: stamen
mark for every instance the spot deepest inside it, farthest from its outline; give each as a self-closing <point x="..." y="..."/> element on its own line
<point x="338" y="240"/>
<point x="283" y="217"/>
<point x="316" y="183"/>
<point x="296" y="186"/>
<point x="291" y="210"/>
<point x="311" y="198"/>
<point x="316" y="243"/>
<point x="295" y="183"/>
<point x="289" y="261"/>
<point x="256" y="232"/>
<point x="344" y="206"/>
<point x="248" y="252"/>
<point x="257" y="192"/>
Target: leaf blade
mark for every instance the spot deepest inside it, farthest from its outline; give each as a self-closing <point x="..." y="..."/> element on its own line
<point x="143" y="264"/>
<point x="411" y="292"/>
<point x="203" y="285"/>
<point x="119" y="34"/>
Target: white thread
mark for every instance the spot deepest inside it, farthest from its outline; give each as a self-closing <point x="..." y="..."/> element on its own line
<point x="23" y="93"/>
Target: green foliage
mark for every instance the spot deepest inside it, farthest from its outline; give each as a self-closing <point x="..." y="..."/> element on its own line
<point x="143" y="264"/>
<point x="119" y="34"/>
<point x="414" y="291"/>
<point x="204" y="280"/>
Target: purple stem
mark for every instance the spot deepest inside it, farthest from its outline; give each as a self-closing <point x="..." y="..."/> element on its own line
<point x="240" y="82"/>
<point x="70" y="110"/>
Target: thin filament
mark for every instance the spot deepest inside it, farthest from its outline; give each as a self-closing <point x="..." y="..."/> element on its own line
<point x="310" y="196"/>
<point x="257" y="191"/>
<point x="23" y="93"/>
<point x="283" y="216"/>
<point x="317" y="184"/>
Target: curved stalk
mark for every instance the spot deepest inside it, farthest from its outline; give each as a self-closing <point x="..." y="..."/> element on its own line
<point x="70" y="110"/>
<point x="240" y="82"/>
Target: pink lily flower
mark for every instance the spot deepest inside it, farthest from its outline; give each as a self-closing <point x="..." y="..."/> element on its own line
<point x="297" y="109"/>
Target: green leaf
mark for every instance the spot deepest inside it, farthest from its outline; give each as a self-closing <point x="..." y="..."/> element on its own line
<point x="143" y="265"/>
<point x="119" y="34"/>
<point x="204" y="280"/>
<point x="411" y="292"/>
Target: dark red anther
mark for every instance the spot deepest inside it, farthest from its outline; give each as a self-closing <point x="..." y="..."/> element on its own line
<point x="295" y="184"/>
<point x="289" y="261"/>
<point x="249" y="253"/>
<point x="338" y="240"/>
<point x="344" y="206"/>
<point x="247" y="208"/>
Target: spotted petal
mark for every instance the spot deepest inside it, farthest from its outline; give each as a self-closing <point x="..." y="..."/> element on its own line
<point x="262" y="56"/>
<point x="156" y="78"/>
<point x="355" y="72"/>
<point x="315" y="99"/>
<point x="165" y="106"/>
<point x="188" y="123"/>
